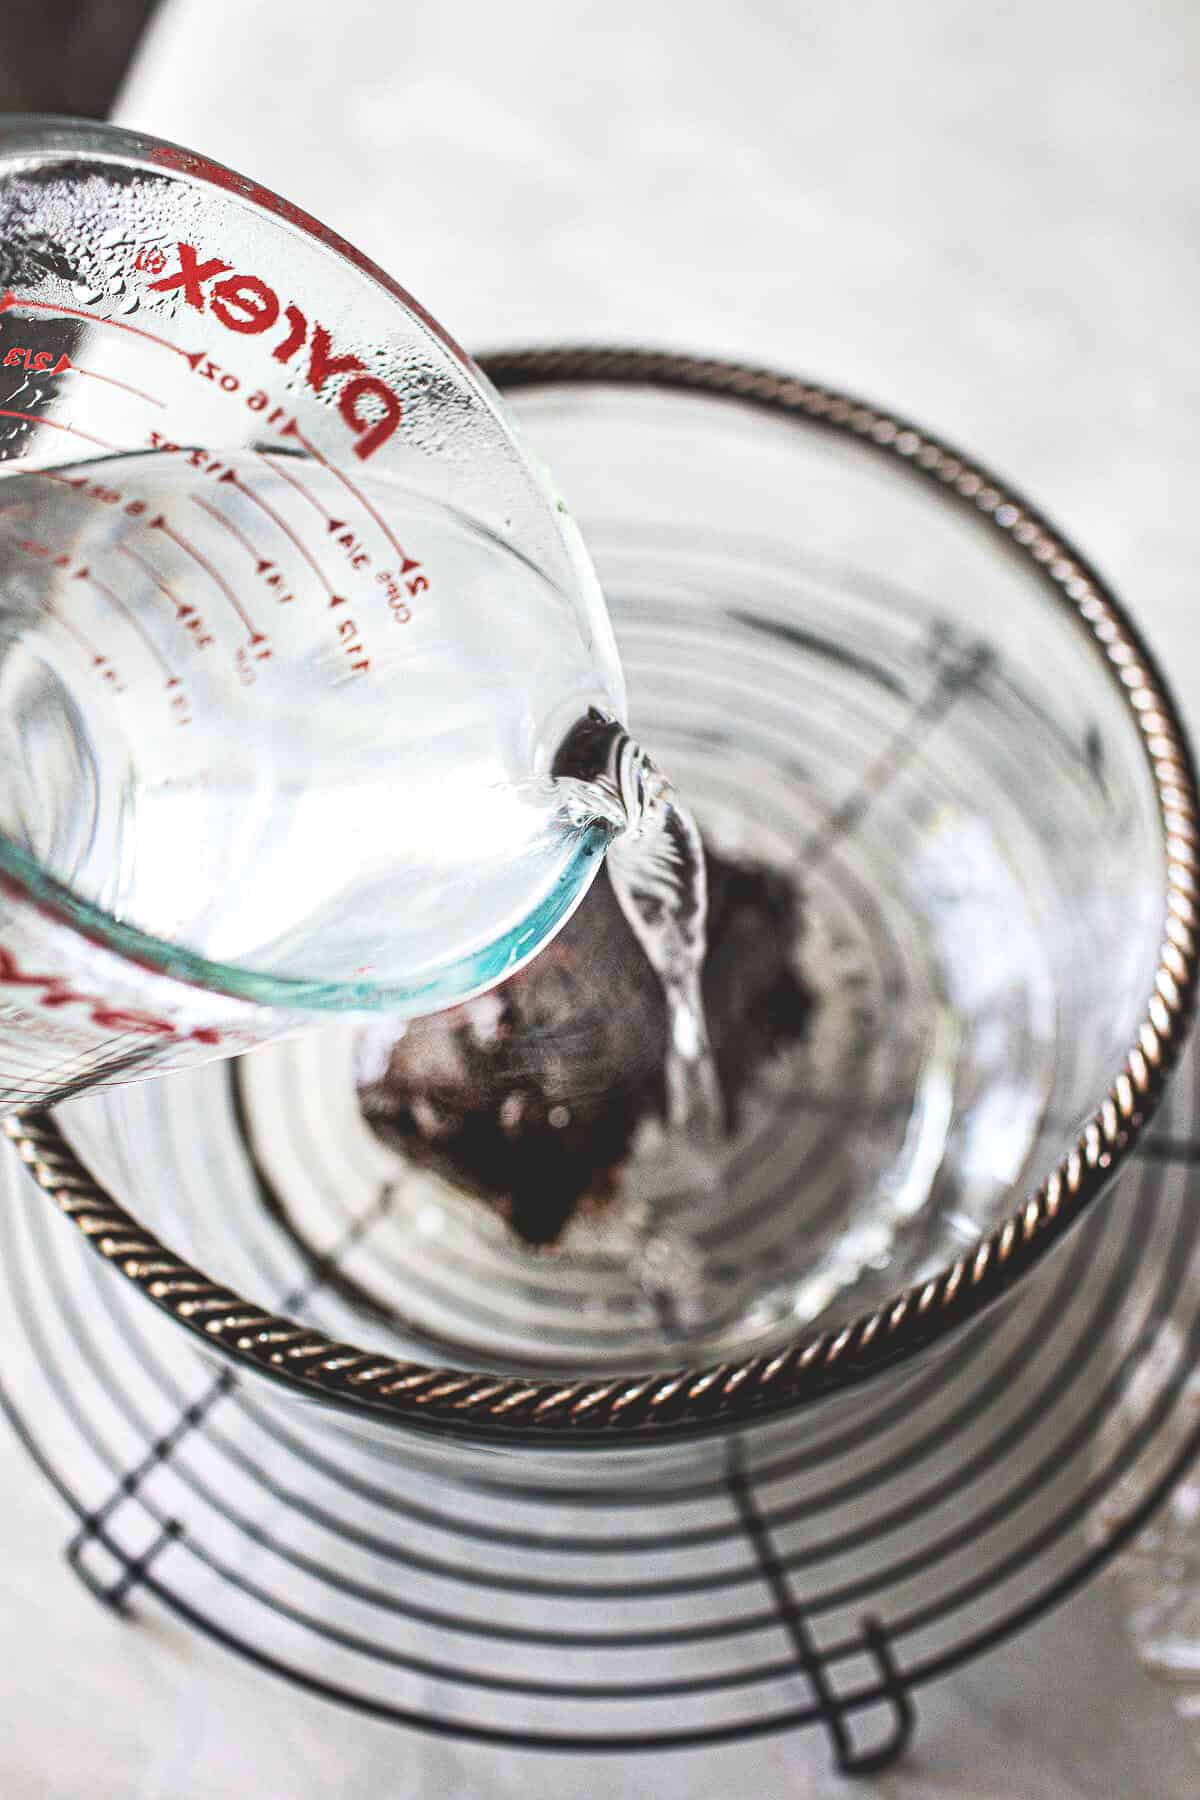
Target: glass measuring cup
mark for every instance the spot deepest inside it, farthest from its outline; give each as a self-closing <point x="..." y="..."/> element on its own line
<point x="291" y="630"/>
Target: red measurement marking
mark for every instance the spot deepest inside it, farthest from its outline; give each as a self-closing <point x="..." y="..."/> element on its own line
<point x="348" y="640"/>
<point x="214" y="512"/>
<point x="351" y="543"/>
<point x="94" y="375"/>
<point x="40" y="419"/>
<point x="154" y="575"/>
<point x="187" y="615"/>
<point x="302" y="548"/>
<point x="115" y="600"/>
<point x="160" y="524"/>
<point x="10" y="299"/>
<point x="38" y="362"/>
<point x="58" y="992"/>
<point x="197" y="456"/>
<point x="85" y="644"/>
<point x="262" y="563"/>
<point x="293" y="430"/>
<point x="201" y="636"/>
<point x="44" y="553"/>
<point x="280" y="468"/>
<point x="225" y="379"/>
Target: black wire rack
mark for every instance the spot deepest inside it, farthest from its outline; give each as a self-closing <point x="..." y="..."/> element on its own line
<point x="813" y="1577"/>
<point x="807" y="1585"/>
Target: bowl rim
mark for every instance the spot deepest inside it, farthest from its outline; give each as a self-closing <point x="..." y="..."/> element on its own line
<point x="475" y="1407"/>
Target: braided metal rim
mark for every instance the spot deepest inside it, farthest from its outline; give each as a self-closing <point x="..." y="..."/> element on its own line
<point x="476" y="1406"/>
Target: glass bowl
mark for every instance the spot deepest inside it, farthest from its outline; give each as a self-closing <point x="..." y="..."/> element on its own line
<point x="869" y="664"/>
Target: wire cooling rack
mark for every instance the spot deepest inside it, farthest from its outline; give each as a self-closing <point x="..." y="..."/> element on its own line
<point x="812" y="1584"/>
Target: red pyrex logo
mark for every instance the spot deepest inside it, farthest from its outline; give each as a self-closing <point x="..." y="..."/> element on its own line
<point x="56" y="992"/>
<point x="244" y="304"/>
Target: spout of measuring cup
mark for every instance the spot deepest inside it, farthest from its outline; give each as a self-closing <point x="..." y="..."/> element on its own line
<point x="604" y="774"/>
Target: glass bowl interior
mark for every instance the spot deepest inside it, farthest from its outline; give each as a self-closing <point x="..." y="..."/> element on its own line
<point x="854" y="678"/>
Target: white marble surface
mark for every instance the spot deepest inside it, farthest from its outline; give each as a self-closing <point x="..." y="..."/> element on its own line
<point x="983" y="215"/>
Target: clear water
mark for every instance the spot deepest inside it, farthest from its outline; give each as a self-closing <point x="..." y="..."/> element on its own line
<point x="230" y="719"/>
<point x="656" y="866"/>
<point x="304" y="732"/>
<point x="869" y="694"/>
<point x="281" y="670"/>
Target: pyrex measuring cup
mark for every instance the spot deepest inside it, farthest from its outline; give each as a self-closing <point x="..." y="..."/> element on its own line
<point x="290" y="629"/>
